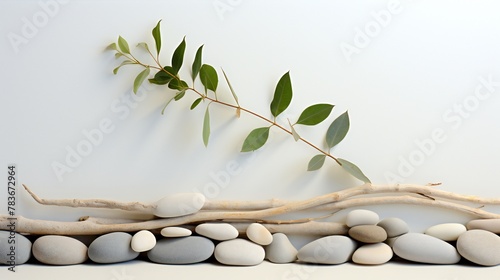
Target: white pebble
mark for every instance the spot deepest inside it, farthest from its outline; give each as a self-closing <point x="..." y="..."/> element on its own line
<point x="361" y="217"/>
<point x="446" y="232"/>
<point x="239" y="252"/>
<point x="372" y="254"/>
<point x="180" y="204"/>
<point x="175" y="232"/>
<point x="259" y="234"/>
<point x="217" y="231"/>
<point x="143" y="241"/>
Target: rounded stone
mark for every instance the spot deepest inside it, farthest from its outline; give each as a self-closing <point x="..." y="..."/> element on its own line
<point x="368" y="233"/>
<point x="239" y="252"/>
<point x="334" y="249"/>
<point x="446" y="232"/>
<point x="361" y="217"/>
<point x="182" y="250"/>
<point x="175" y="232"/>
<point x="281" y="250"/>
<point x="143" y="241"/>
<point x="394" y="226"/>
<point x="372" y="254"/>
<point x="480" y="246"/>
<point x="22" y="252"/>
<point x="390" y="241"/>
<point x="492" y="225"/>
<point x="259" y="234"/>
<point x="419" y="247"/>
<point x="59" y="250"/>
<point x="113" y="247"/>
<point x="179" y="204"/>
<point x="217" y="231"/>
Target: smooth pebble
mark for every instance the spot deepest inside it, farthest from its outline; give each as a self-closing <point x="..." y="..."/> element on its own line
<point x="372" y="254"/>
<point x="281" y="250"/>
<point x="143" y="241"/>
<point x="259" y="234"/>
<point x="175" y="232"/>
<point x="113" y="247"/>
<point x="394" y="226"/>
<point x="22" y="251"/>
<point x="182" y="250"/>
<point x="239" y="252"/>
<point x="480" y="246"/>
<point x="492" y="225"/>
<point x="334" y="249"/>
<point x="390" y="241"/>
<point x="179" y="204"/>
<point x="368" y="233"/>
<point x="419" y="247"/>
<point x="446" y="232"/>
<point x="217" y="231"/>
<point x="59" y="250"/>
<point x="361" y="217"/>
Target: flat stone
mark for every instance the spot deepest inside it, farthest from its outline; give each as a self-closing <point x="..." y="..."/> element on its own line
<point x="239" y="252"/>
<point x="372" y="254"/>
<point x="259" y="234"/>
<point x="419" y="247"/>
<point x="113" y="247"/>
<point x="394" y="226"/>
<point x="217" y="231"/>
<point x="492" y="225"/>
<point x="22" y="252"/>
<point x="368" y="233"/>
<point x="59" y="250"/>
<point x="480" y="246"/>
<point x="361" y="217"/>
<point x="143" y="241"/>
<point x="446" y="232"/>
<point x="334" y="249"/>
<point x="179" y="204"/>
<point x="182" y="250"/>
<point x="175" y="232"/>
<point x="281" y="250"/>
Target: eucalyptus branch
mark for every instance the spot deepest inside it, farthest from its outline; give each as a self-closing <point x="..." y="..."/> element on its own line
<point x="169" y="75"/>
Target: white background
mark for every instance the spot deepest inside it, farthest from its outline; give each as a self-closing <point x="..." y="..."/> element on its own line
<point x="407" y="79"/>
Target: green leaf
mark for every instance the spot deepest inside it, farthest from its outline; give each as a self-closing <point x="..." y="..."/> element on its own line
<point x="353" y="170"/>
<point x="162" y="77"/>
<point x="126" y="62"/>
<point x="197" y="63"/>
<point x="178" y="56"/>
<point x="196" y="102"/>
<point x="206" y="127"/>
<point x="179" y="95"/>
<point x="256" y="139"/>
<point x="230" y="87"/>
<point x="111" y="47"/>
<point x="118" y="55"/>
<point x="282" y="95"/>
<point x="178" y="84"/>
<point x="295" y="135"/>
<point x="157" y="36"/>
<point x="208" y="77"/>
<point x="140" y="79"/>
<point x="316" y="162"/>
<point x="168" y="102"/>
<point x="337" y="130"/>
<point x="143" y="45"/>
<point x="315" y="114"/>
<point x="123" y="45"/>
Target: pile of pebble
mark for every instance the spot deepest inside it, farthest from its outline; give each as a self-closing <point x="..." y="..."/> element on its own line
<point x="370" y="241"/>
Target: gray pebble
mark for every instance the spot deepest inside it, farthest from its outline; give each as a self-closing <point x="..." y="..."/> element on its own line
<point x="182" y="250"/>
<point x="281" y="250"/>
<point x="113" y="247"/>
<point x="419" y="247"/>
<point x="334" y="249"/>
<point x="368" y="234"/>
<point x="480" y="247"/>
<point x="394" y="226"/>
<point x="21" y="245"/>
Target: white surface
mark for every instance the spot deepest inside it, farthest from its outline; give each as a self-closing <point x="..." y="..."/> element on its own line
<point x="407" y="82"/>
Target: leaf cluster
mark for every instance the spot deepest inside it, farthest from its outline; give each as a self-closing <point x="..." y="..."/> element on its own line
<point x="208" y="77"/>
